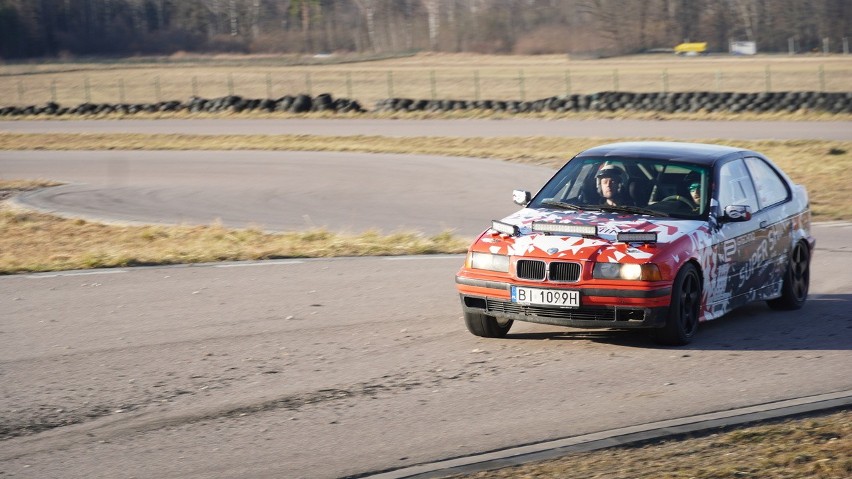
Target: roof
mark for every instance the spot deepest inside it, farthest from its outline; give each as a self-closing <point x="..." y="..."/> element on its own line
<point x="699" y="153"/>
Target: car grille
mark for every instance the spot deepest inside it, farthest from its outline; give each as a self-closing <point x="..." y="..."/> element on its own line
<point x="564" y="271"/>
<point x="530" y="269"/>
<point x="559" y="271"/>
<point x="586" y="314"/>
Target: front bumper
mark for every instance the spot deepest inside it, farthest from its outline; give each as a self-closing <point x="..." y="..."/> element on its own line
<point x="600" y="308"/>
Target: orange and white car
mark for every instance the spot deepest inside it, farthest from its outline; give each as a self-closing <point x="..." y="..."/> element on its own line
<point x="650" y="235"/>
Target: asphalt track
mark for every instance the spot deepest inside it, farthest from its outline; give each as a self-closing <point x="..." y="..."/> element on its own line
<point x="276" y="191"/>
<point x="327" y="368"/>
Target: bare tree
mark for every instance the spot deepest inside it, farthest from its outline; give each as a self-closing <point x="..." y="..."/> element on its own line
<point x="368" y="9"/>
<point x="433" y="11"/>
<point x="254" y="18"/>
<point x="747" y="11"/>
<point x="233" y="19"/>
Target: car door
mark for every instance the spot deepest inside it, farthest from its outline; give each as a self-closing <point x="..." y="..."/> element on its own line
<point x="773" y="233"/>
<point x="732" y="280"/>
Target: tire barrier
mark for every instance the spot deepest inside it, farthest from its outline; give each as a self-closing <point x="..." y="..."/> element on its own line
<point x="609" y="101"/>
<point x="231" y="103"/>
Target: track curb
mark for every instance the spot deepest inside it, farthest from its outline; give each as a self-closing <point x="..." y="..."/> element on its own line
<point x="654" y="431"/>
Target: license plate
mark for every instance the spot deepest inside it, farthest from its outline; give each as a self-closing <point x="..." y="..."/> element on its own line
<point x="546" y="297"/>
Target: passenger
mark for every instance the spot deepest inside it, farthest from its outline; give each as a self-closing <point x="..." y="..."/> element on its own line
<point x="611" y="182"/>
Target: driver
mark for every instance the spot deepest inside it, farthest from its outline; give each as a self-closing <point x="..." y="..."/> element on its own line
<point x="611" y="182"/>
<point x="695" y="194"/>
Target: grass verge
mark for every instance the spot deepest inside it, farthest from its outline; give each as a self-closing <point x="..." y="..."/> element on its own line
<point x="33" y="242"/>
<point x="810" y="448"/>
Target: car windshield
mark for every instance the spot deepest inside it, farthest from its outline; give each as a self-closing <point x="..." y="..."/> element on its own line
<point x="631" y="185"/>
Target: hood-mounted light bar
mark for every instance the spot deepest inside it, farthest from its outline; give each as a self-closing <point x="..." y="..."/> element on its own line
<point x="564" y="228"/>
<point x="636" y="237"/>
<point x="505" y="228"/>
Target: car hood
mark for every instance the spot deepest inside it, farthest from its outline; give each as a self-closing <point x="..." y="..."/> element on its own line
<point x="602" y="247"/>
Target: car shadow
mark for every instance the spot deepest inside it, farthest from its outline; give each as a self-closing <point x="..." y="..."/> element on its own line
<point x="824" y="323"/>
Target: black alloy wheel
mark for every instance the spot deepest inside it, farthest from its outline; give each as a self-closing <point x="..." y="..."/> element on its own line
<point x="682" y="322"/>
<point x="797" y="278"/>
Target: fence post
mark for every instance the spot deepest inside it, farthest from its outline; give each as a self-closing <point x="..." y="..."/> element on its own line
<point x="768" y="78"/>
<point x="434" y="89"/>
<point x="53" y="91"/>
<point x="20" y="92"/>
<point x="390" y="84"/>
<point x="718" y="80"/>
<point x="86" y="89"/>
<point x="230" y="84"/>
<point x="521" y="85"/>
<point x="121" y="90"/>
<point x="157" y="95"/>
<point x="615" y="80"/>
<point x="308" y="83"/>
<point x="476" y="84"/>
<point x="821" y="78"/>
<point x="567" y="82"/>
<point x="349" y="85"/>
<point x="194" y="86"/>
<point x="268" y="85"/>
<point x="665" y="80"/>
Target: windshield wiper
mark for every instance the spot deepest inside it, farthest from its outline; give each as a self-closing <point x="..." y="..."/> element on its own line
<point x="567" y="205"/>
<point x="633" y="209"/>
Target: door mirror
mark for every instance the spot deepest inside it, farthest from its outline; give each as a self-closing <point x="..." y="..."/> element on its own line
<point x="736" y="213"/>
<point x="521" y="197"/>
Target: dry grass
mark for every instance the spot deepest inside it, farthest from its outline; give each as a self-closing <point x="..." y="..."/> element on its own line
<point x="26" y="185"/>
<point x="38" y="242"/>
<point x="822" y="166"/>
<point x="816" y="448"/>
<point x="460" y="76"/>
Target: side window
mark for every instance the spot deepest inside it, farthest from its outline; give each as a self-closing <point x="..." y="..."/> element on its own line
<point x="771" y="189"/>
<point x="735" y="186"/>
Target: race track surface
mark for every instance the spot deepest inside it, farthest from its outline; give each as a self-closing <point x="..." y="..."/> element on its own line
<point x="334" y="367"/>
<point x="277" y="191"/>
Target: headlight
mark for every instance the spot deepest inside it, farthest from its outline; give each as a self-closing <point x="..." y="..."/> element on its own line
<point x="643" y="272"/>
<point x="491" y="262"/>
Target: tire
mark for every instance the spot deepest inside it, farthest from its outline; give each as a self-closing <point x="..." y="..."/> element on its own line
<point x="797" y="277"/>
<point x="480" y="324"/>
<point x="682" y="322"/>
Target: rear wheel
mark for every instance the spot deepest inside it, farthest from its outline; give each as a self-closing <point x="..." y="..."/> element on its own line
<point x="794" y="290"/>
<point x="486" y="326"/>
<point x="682" y="322"/>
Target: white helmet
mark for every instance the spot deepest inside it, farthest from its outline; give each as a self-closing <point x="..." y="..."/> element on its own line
<point x="612" y="171"/>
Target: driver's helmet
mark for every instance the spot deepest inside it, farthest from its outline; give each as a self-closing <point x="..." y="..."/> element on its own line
<point x="612" y="171"/>
<point x="692" y="182"/>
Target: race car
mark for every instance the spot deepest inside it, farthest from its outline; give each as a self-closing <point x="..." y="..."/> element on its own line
<point x="655" y="235"/>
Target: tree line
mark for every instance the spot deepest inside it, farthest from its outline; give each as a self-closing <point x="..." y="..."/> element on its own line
<point x="70" y="28"/>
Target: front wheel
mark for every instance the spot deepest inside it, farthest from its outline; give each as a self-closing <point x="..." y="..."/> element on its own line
<point x="486" y="326"/>
<point x="794" y="290"/>
<point x="682" y="322"/>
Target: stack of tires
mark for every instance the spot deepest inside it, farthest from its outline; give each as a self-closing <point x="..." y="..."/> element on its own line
<point x="610" y="101"/>
<point x="231" y="103"/>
